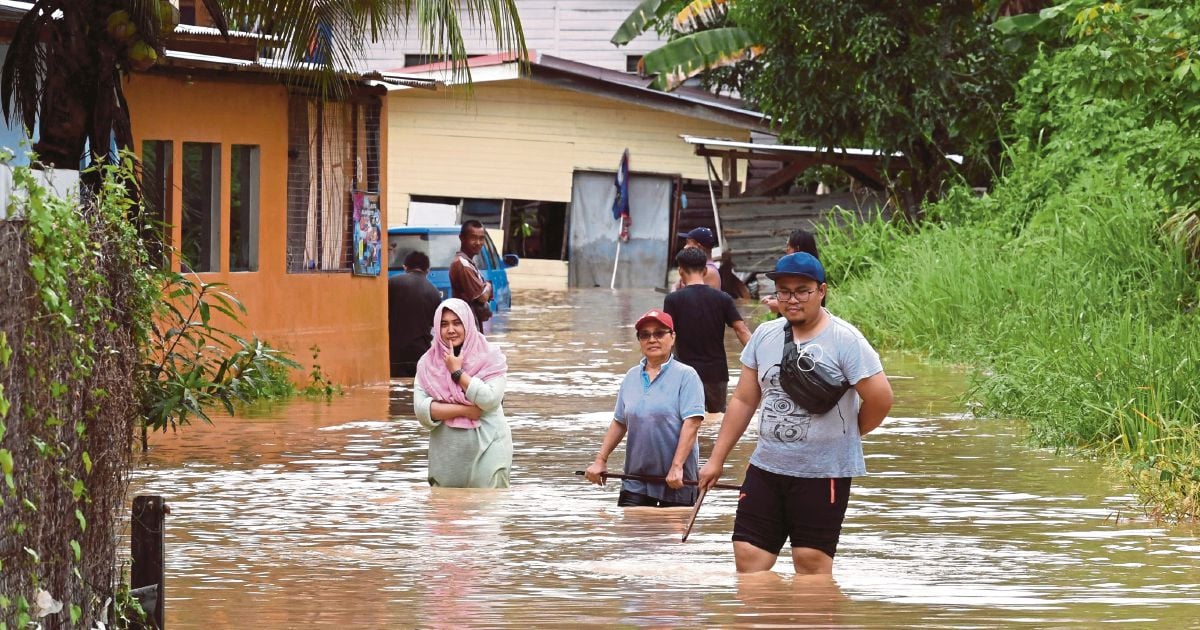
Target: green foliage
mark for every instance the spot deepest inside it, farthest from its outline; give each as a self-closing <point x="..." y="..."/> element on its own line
<point x="1068" y="286"/>
<point x="646" y="15"/>
<point x="85" y="281"/>
<point x="1127" y="91"/>
<point x="319" y="383"/>
<point x="702" y="40"/>
<point x="194" y="362"/>
<point x="927" y="79"/>
<point x="689" y="55"/>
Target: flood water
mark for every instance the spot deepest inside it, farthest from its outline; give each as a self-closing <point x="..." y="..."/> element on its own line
<point x="317" y="514"/>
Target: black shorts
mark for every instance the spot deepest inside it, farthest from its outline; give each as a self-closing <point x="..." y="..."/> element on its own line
<point x="714" y="396"/>
<point x="774" y="507"/>
<point x="633" y="499"/>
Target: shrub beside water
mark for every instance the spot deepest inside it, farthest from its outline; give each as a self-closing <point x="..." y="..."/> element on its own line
<point x="1083" y="323"/>
<point x="1072" y="288"/>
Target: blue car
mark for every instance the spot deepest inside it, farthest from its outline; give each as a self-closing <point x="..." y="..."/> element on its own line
<point x="440" y="243"/>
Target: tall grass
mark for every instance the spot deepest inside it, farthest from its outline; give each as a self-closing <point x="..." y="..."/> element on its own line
<point x="1082" y="322"/>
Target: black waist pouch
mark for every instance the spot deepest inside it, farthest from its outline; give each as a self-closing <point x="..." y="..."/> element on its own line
<point x="799" y="377"/>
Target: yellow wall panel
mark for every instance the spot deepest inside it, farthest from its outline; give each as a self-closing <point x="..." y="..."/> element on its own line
<point x="523" y="140"/>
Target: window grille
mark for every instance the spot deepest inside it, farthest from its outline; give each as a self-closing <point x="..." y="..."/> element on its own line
<point x="329" y="145"/>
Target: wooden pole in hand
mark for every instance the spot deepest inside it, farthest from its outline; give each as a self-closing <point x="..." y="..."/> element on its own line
<point x="686" y="482"/>
<point x="695" y="511"/>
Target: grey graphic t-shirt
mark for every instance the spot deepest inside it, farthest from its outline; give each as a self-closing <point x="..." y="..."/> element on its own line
<point x="791" y="441"/>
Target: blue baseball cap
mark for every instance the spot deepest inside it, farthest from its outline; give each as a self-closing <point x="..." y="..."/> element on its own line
<point x="701" y="235"/>
<point x="801" y="264"/>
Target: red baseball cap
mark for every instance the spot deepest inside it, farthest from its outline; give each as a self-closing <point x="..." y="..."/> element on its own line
<point x="655" y="315"/>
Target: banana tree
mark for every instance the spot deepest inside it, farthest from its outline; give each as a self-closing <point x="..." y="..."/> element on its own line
<point x="701" y="39"/>
<point x="64" y="68"/>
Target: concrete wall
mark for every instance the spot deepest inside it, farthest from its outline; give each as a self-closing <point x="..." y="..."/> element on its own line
<point x="344" y="315"/>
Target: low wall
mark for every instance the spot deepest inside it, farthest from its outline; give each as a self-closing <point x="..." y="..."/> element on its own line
<point x="533" y="273"/>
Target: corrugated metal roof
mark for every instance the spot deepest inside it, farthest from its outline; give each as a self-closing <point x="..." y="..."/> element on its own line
<point x="388" y="81"/>
<point x="208" y="31"/>
<point x="775" y="149"/>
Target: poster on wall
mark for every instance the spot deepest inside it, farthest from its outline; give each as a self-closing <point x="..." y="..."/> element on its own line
<point x="368" y="234"/>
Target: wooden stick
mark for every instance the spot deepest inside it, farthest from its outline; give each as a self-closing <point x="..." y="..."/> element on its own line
<point x="695" y="511"/>
<point x="686" y="482"/>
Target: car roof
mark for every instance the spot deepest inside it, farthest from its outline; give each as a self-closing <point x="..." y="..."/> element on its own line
<point x="431" y="229"/>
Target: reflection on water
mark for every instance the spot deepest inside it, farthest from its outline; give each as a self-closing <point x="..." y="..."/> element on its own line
<point x="315" y="514"/>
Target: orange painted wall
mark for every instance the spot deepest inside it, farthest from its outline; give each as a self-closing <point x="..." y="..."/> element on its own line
<point x="344" y="315"/>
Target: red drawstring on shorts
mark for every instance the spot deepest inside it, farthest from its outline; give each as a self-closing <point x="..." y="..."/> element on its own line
<point x="832" y="494"/>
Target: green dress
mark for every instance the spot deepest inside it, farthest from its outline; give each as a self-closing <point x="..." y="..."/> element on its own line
<point x="469" y="458"/>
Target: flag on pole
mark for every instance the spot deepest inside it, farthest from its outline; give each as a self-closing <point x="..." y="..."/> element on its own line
<point x="620" y="207"/>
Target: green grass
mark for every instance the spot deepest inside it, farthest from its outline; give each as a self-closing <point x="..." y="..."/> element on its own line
<point x="1083" y="322"/>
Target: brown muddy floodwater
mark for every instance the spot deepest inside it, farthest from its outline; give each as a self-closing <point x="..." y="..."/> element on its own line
<point x="318" y="515"/>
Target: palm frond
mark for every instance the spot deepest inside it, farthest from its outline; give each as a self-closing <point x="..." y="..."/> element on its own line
<point x="25" y="65"/>
<point x="327" y="36"/>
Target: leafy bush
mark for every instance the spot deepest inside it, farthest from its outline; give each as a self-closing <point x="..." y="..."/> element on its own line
<point x="194" y="364"/>
<point x="1067" y="286"/>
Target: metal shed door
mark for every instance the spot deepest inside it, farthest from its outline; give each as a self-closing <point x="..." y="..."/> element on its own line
<point x="643" y="261"/>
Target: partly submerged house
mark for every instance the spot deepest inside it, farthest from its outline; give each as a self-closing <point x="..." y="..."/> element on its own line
<point x="274" y="192"/>
<point x="531" y="149"/>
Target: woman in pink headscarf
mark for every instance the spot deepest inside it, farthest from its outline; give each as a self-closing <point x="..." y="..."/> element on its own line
<point x="457" y="395"/>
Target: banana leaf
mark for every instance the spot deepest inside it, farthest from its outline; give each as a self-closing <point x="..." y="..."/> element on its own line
<point x="639" y="20"/>
<point x="683" y="58"/>
<point x="700" y="14"/>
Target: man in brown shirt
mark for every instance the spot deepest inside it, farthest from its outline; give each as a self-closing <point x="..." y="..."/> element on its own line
<point x="466" y="282"/>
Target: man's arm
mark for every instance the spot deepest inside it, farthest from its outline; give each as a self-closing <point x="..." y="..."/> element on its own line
<point x="742" y="331"/>
<point x="876" y="394"/>
<point x="746" y="397"/>
<point x="687" y="437"/>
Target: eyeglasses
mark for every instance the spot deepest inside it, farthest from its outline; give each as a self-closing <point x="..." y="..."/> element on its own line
<point x="644" y="335"/>
<point x="802" y="295"/>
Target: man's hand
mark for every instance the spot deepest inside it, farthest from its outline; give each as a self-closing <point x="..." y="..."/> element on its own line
<point x="675" y="476"/>
<point x="486" y="296"/>
<point x="595" y="472"/>
<point x="710" y="473"/>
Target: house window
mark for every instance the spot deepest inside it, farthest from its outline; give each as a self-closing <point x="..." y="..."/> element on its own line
<point x="333" y="151"/>
<point x="537" y="229"/>
<point x="424" y="60"/>
<point x="200" y="245"/>
<point x="157" y="179"/>
<point x="631" y="63"/>
<point x="187" y="12"/>
<point x="243" y="208"/>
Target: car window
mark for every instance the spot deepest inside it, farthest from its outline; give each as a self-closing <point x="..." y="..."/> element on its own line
<point x="439" y="247"/>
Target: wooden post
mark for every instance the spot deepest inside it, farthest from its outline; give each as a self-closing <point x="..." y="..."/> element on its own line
<point x="146" y="552"/>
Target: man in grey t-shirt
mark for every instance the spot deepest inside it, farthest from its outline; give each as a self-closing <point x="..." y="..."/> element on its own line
<point x="797" y="485"/>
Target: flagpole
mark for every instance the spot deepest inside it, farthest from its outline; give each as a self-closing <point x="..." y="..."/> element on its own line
<point x="613" y="283"/>
<point x="621" y="210"/>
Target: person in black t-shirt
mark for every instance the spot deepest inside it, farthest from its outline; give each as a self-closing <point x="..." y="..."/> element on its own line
<point x="701" y="314"/>
<point x="412" y="300"/>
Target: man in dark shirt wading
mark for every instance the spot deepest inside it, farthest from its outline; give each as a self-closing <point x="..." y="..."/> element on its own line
<point x="701" y="314"/>
<point x="412" y="300"/>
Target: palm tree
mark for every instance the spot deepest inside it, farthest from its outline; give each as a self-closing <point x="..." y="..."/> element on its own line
<point x="67" y="58"/>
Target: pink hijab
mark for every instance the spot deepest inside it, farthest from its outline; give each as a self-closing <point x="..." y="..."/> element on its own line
<point x="480" y="360"/>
